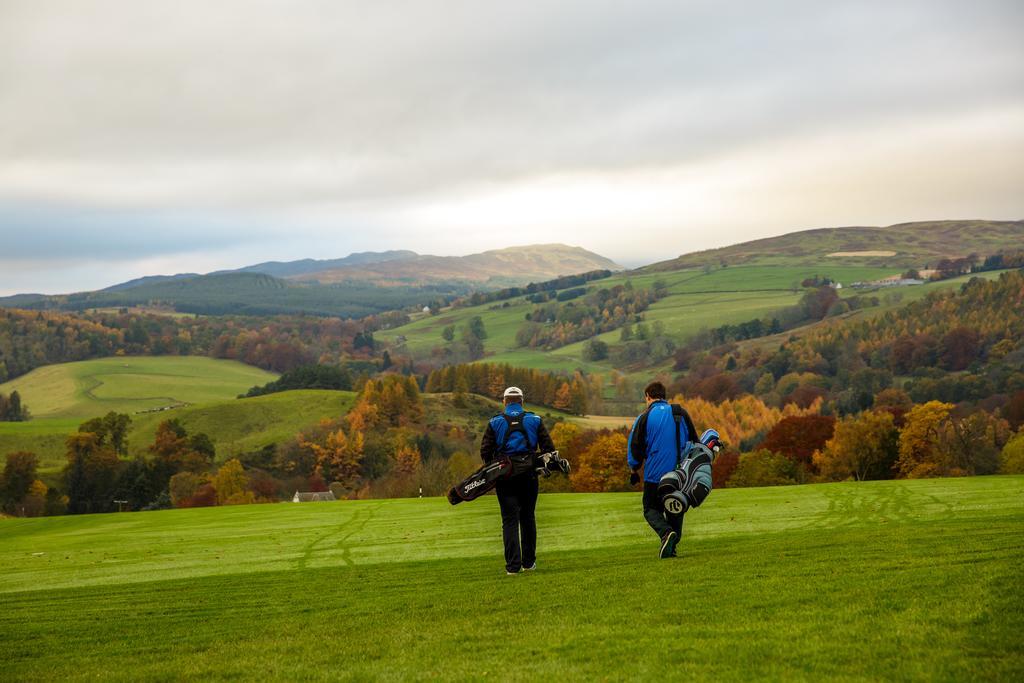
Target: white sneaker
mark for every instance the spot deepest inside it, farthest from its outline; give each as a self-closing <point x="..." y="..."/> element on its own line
<point x="530" y="568"/>
<point x="507" y="573"/>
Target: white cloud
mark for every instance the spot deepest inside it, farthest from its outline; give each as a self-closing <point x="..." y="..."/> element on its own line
<point x="141" y="129"/>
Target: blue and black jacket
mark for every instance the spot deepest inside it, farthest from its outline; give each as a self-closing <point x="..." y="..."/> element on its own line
<point x="659" y="438"/>
<point x="499" y="440"/>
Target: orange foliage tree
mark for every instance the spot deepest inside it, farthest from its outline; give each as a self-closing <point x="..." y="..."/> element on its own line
<point x="741" y="418"/>
<point x="602" y="465"/>
<point x="337" y="455"/>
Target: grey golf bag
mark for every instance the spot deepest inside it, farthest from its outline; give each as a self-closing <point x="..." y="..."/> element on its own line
<point x="690" y="483"/>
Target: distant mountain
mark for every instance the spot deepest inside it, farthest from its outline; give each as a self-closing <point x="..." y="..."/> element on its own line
<point x="354" y="286"/>
<point x="305" y="266"/>
<point x="149" y="280"/>
<point x="903" y="245"/>
<point x="495" y="268"/>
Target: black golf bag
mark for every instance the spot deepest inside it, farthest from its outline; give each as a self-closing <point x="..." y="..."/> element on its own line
<point x="488" y="476"/>
<point x="690" y="483"/>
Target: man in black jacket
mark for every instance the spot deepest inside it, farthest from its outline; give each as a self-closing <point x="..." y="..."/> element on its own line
<point x="516" y="434"/>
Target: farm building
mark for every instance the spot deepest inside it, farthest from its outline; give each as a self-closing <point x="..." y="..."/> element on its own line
<point x="312" y="496"/>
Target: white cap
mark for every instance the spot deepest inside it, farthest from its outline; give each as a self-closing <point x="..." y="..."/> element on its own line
<point x="513" y="391"/>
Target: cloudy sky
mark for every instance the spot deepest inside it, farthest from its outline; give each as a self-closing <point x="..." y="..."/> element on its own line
<point x="141" y="136"/>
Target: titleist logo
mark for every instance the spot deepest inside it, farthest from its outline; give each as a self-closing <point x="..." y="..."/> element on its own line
<point x="473" y="484"/>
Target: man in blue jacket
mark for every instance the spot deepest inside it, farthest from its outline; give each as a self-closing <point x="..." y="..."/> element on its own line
<point x="516" y="434"/>
<point x="655" y="443"/>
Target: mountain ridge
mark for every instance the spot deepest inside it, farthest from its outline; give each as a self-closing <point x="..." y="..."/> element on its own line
<point x="915" y="244"/>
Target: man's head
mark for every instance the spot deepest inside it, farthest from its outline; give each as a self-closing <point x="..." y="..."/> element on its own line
<point x="654" y="391"/>
<point x="513" y="395"/>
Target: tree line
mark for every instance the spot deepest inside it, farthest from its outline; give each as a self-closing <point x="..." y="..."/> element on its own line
<point x="555" y="324"/>
<point x="963" y="345"/>
<point x="30" y="339"/>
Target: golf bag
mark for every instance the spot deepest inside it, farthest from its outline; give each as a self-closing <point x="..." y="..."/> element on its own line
<point x="488" y="476"/>
<point x="690" y="483"/>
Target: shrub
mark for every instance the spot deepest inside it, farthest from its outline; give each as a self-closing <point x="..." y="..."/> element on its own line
<point x="764" y="468"/>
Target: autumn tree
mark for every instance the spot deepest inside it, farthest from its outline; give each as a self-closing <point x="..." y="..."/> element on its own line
<point x="34" y="502"/>
<point x="740" y="419"/>
<point x="407" y="461"/>
<point x="918" y="444"/>
<point x="602" y="466"/>
<point x="232" y="484"/>
<point x="19" y="473"/>
<point x="764" y="468"/>
<point x="799" y="436"/>
<point x="90" y="475"/>
<point x="111" y="429"/>
<point x="864" y="446"/>
<point x="338" y="456"/>
<point x="971" y="445"/>
<point x="723" y="467"/>
<point x="183" y="487"/>
<point x="1011" y="460"/>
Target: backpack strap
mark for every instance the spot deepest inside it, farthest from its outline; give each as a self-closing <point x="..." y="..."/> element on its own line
<point x="679" y="414"/>
<point x="514" y="424"/>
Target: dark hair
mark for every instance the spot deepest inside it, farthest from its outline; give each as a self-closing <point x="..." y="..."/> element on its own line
<point x="655" y="390"/>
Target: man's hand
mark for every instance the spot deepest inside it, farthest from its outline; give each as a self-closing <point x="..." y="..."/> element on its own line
<point x="634" y="478"/>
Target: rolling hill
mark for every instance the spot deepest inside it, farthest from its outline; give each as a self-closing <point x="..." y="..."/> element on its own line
<point x="87" y="389"/>
<point x="355" y="286"/>
<point x="892" y="580"/>
<point x="695" y="300"/>
<point x="489" y="269"/>
<point x="905" y="245"/>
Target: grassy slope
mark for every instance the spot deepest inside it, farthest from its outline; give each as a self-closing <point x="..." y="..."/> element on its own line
<point x="891" y="298"/>
<point x="236" y="425"/>
<point x="915" y="244"/>
<point x="131" y="384"/>
<point x="697" y="300"/>
<point x="909" y="579"/>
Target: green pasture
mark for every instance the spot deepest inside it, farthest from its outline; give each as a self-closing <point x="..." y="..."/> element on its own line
<point x="908" y="580"/>
<point x="696" y="300"/>
<point x="131" y="384"/>
<point x="236" y="426"/>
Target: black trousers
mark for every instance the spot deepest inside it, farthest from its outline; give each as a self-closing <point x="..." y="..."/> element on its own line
<point x="518" y="500"/>
<point x="661" y="521"/>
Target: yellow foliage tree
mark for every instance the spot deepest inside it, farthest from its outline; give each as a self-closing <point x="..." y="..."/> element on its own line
<point x="919" y="454"/>
<point x="563" y="434"/>
<point x="863" y="446"/>
<point x="232" y="484"/>
<point x="1011" y="460"/>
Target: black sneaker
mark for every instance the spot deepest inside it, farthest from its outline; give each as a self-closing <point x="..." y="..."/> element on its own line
<point x="668" y="544"/>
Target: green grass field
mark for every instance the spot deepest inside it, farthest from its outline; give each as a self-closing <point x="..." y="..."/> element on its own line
<point x="908" y="580"/>
<point x="68" y="394"/>
<point x="696" y="301"/>
<point x="131" y="384"/>
<point x="236" y="426"/>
